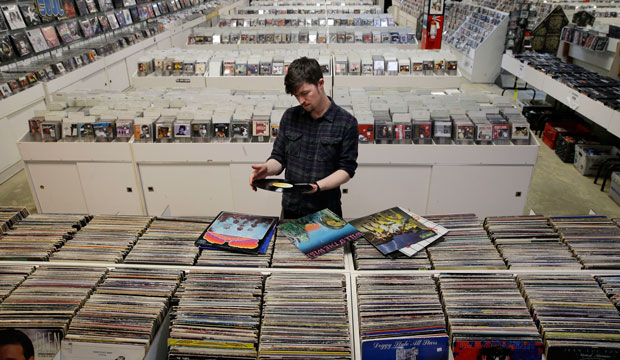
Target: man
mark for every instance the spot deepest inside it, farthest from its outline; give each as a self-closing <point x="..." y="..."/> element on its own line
<point x="316" y="144"/>
<point x="15" y="345"/>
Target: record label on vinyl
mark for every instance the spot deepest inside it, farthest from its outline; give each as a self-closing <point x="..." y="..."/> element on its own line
<point x="282" y="185"/>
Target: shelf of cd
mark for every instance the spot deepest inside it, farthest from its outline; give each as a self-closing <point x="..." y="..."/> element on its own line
<point x="594" y="110"/>
<point x="416" y="82"/>
<point x="152" y="81"/>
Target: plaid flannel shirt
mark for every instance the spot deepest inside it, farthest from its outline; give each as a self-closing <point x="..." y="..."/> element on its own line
<point x="311" y="150"/>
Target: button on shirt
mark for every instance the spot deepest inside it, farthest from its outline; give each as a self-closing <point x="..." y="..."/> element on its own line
<point x="312" y="149"/>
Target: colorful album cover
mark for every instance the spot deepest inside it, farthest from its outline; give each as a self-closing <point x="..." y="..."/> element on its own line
<point x="422" y="131"/>
<point x="45" y="343"/>
<point x="366" y="132"/>
<point x="37" y="40"/>
<point x="106" y="5"/>
<point x="142" y="131"/>
<point x="30" y="14"/>
<point x="523" y="349"/>
<point x="318" y="233"/>
<point x="423" y="347"/>
<point x="238" y="232"/>
<point x="63" y="31"/>
<point x="501" y="131"/>
<point x="113" y="22"/>
<point x="87" y="30"/>
<point x="402" y="131"/>
<point x="150" y="9"/>
<point x="260" y="128"/>
<point x="143" y="14"/>
<point x="127" y="14"/>
<point x="103" y="21"/>
<point x="92" y="7"/>
<point x="391" y="230"/>
<point x="13" y="17"/>
<point x="121" y="18"/>
<point x="21" y="44"/>
<point x="49" y="33"/>
<point x="6" y="49"/>
<point x="86" y="130"/>
<point x="94" y="24"/>
<point x="69" y="8"/>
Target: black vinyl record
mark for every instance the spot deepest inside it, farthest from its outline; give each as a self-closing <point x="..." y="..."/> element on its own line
<point x="282" y="185"/>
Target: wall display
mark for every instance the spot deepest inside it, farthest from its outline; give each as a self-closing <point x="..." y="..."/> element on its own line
<point x="30" y="15"/>
<point x="13" y="17"/>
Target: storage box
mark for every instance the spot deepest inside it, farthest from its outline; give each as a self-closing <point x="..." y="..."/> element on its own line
<point x="565" y="146"/>
<point x="588" y="158"/>
<point x="553" y="130"/>
<point x="614" y="189"/>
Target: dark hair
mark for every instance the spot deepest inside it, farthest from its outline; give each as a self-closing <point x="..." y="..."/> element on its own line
<point x="16" y="337"/>
<point x="302" y="70"/>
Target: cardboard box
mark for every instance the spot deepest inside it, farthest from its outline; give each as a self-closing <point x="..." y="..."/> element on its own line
<point x="614" y="189"/>
<point x="588" y="158"/>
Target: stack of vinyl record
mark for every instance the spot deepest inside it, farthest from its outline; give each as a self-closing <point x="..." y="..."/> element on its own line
<point x="42" y="306"/>
<point x="9" y="215"/>
<point x="594" y="240"/>
<point x="127" y="309"/>
<point x="529" y="242"/>
<point x="401" y="309"/>
<point x="287" y="255"/>
<point x="575" y="317"/>
<point x="465" y="246"/>
<point x="305" y="317"/>
<point x="611" y="286"/>
<point x="217" y="316"/>
<point x="215" y="257"/>
<point x="367" y="257"/>
<point x="168" y="241"/>
<point x="11" y="276"/>
<point x="488" y="318"/>
<point x="37" y="236"/>
<point x="106" y="238"/>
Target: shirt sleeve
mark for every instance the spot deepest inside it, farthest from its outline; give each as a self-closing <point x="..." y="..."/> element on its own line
<point x="348" y="156"/>
<point x="278" y="152"/>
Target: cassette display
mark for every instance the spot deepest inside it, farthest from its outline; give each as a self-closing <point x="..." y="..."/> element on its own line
<point x="217" y="316"/>
<point x="465" y="246"/>
<point x="287" y="255"/>
<point x="488" y="317"/>
<point x="104" y="239"/>
<point x="401" y="314"/>
<point x="574" y="316"/>
<point x="529" y="242"/>
<point x="167" y="241"/>
<point x="592" y="239"/>
<point x="290" y="326"/>
<point x="37" y="236"/>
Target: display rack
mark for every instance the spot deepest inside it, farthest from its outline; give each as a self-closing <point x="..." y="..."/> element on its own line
<point x="482" y="63"/>
<point x="596" y="111"/>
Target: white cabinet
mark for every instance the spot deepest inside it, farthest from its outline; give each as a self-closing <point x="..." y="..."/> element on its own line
<point x="381" y="187"/>
<point x="57" y="187"/>
<point x="188" y="190"/>
<point x="484" y="190"/>
<point x="97" y="80"/>
<point x="118" y="79"/>
<point x="110" y="188"/>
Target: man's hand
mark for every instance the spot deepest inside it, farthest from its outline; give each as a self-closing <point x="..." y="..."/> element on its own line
<point x="259" y="172"/>
<point x="315" y="188"/>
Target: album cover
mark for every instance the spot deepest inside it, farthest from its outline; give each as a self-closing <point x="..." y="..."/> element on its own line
<point x="49" y="33"/>
<point x="150" y="9"/>
<point x="113" y="22"/>
<point x="37" y="40"/>
<point x="3" y="24"/>
<point x="6" y="49"/>
<point x="74" y="30"/>
<point x="81" y="7"/>
<point x="429" y="347"/>
<point x="238" y="232"/>
<point x="142" y="13"/>
<point x="318" y="233"/>
<point x="104" y="131"/>
<point x="21" y="44"/>
<point x="87" y="30"/>
<point x="50" y="131"/>
<point x="5" y="90"/>
<point x="13" y="17"/>
<point x="525" y="349"/>
<point x="94" y="24"/>
<point x="30" y="14"/>
<point x="127" y="15"/>
<point x="121" y="18"/>
<point x="366" y="132"/>
<point x="69" y="10"/>
<point x="63" y="31"/>
<point x="105" y="5"/>
<point x="92" y="7"/>
<point x="44" y="342"/>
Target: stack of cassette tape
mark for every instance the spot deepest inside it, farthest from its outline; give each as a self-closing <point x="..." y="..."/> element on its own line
<point x="401" y="309"/>
<point x="611" y="286"/>
<point x="529" y="242"/>
<point x="574" y="315"/>
<point x="168" y="241"/>
<point x="42" y="306"/>
<point x="217" y="316"/>
<point x="123" y="314"/>
<point x="106" y="238"/>
<point x="11" y="276"/>
<point x="287" y="255"/>
<point x="305" y="316"/>
<point x="367" y="257"/>
<point x="10" y="215"/>
<point x="594" y="240"/>
<point x="465" y="246"/>
<point x="488" y="318"/>
<point x="36" y="237"/>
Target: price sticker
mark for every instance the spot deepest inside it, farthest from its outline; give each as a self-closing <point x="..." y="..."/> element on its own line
<point x="573" y="100"/>
<point x="521" y="71"/>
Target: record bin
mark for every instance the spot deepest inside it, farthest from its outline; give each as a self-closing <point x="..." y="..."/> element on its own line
<point x="553" y="130"/>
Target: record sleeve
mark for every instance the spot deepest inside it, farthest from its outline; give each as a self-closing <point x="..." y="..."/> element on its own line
<point x="69" y="8"/>
<point x="13" y="17"/>
<point x="37" y="40"/>
<point x="49" y="33"/>
<point x="21" y="43"/>
<point x="30" y="15"/>
<point x="238" y="232"/>
<point x="113" y="21"/>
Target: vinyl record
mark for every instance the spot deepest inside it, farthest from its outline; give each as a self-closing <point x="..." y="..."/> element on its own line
<point x="282" y="185"/>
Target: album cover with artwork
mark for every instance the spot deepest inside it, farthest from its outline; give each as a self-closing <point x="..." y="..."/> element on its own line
<point x="37" y="40"/>
<point x="13" y="17"/>
<point x="150" y="10"/>
<point x="94" y="24"/>
<point x="113" y="22"/>
<point x="87" y="30"/>
<point x="92" y="7"/>
<point x="127" y="14"/>
<point x="69" y="8"/>
<point x="74" y="29"/>
<point x="238" y="232"/>
<point x="21" y="44"/>
<point x="121" y="18"/>
<point x="135" y="17"/>
<point x="30" y="14"/>
<point x="49" y="33"/>
<point x="6" y="49"/>
<point x="63" y="31"/>
<point x="82" y="7"/>
<point x="106" y="5"/>
<point x="104" y="23"/>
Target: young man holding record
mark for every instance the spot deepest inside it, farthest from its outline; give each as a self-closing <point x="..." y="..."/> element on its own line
<point x="316" y="144"/>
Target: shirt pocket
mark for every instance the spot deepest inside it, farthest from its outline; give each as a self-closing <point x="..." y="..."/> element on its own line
<point x="328" y="148"/>
<point x="293" y="143"/>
